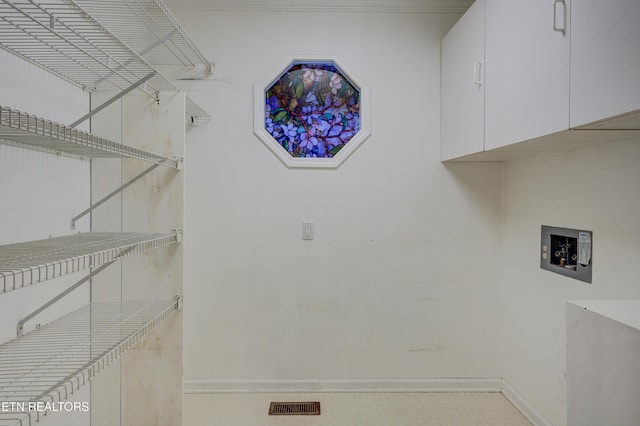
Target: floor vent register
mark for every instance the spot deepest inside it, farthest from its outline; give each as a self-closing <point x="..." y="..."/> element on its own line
<point x="294" y="409"/>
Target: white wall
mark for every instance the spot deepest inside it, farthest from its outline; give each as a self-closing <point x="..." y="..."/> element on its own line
<point x="594" y="189"/>
<point x="40" y="193"/>
<point x="144" y="386"/>
<point x="400" y="281"/>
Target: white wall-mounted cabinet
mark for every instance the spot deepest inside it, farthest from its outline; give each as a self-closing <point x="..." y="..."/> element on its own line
<point x="462" y="63"/>
<point x="549" y="69"/>
<point x="527" y="57"/>
<point x="605" y="60"/>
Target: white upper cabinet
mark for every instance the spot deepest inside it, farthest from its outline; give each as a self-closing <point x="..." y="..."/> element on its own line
<point x="527" y="79"/>
<point x="605" y="62"/>
<point x="462" y="73"/>
<point x="547" y="70"/>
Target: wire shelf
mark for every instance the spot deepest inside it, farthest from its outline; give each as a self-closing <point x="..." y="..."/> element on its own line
<point x="149" y="28"/>
<point x="62" y="38"/>
<point x="49" y="364"/>
<point x="32" y="262"/>
<point x="25" y="129"/>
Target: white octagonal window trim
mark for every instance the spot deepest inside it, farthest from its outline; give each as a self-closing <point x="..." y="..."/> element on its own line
<point x="314" y="114"/>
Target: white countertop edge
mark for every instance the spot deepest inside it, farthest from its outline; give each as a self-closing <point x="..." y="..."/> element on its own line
<point x="624" y="311"/>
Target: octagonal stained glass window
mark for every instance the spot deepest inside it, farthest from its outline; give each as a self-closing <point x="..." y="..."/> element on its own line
<point x="312" y="110"/>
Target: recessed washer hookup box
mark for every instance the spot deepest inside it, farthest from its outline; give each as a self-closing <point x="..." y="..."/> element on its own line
<point x="566" y="251"/>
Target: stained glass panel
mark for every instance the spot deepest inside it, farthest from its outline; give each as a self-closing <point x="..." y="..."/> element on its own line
<point x="312" y="110"/>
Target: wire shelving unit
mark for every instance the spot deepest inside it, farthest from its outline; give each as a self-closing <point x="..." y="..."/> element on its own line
<point x="31" y="262"/>
<point x="150" y="29"/>
<point x="97" y="45"/>
<point x="49" y="364"/>
<point x="100" y="44"/>
<point x="20" y="128"/>
<point x="60" y="37"/>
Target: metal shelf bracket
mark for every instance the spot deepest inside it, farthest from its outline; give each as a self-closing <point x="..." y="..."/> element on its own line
<point x="112" y="194"/>
<point x="94" y="111"/>
<point x="20" y="327"/>
<point x="179" y="162"/>
<point x="179" y="233"/>
<point x="179" y="298"/>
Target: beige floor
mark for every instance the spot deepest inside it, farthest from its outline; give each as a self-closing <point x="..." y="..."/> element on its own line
<point x="355" y="409"/>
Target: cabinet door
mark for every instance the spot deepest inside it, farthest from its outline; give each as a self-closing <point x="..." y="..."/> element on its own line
<point x="527" y="83"/>
<point x="605" y="59"/>
<point x="462" y="90"/>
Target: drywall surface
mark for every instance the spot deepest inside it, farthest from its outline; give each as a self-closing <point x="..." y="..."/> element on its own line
<point x="106" y="175"/>
<point x="400" y="280"/>
<point x="152" y="370"/>
<point x="41" y="192"/>
<point x="145" y="385"/>
<point x="594" y="189"/>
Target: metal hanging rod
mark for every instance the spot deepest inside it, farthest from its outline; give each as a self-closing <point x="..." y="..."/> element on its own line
<point x="49" y="364"/>
<point x="28" y="263"/>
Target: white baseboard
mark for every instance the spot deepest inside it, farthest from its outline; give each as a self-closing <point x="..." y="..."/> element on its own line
<point x="523" y="406"/>
<point x="355" y="385"/>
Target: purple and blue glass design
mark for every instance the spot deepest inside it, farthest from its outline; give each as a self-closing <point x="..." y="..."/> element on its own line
<point x="312" y="110"/>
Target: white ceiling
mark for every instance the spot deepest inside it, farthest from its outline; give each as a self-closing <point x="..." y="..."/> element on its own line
<point x="441" y="6"/>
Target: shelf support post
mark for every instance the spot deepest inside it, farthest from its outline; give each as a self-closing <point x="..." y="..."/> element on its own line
<point x="110" y="195"/>
<point x="113" y="99"/>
